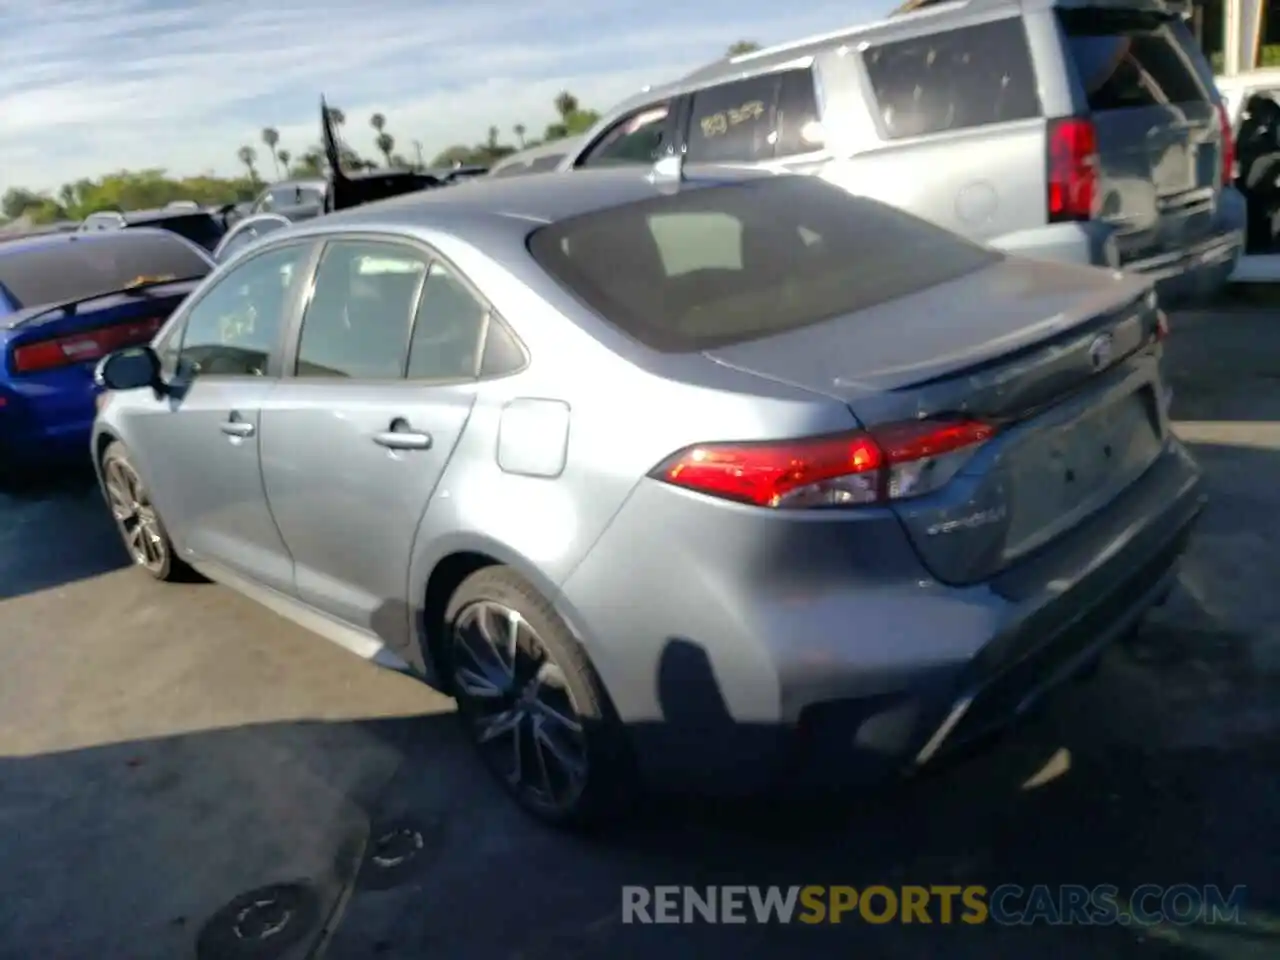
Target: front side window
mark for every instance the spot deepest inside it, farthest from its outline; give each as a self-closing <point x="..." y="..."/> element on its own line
<point x="721" y="265"/>
<point x="356" y="325"/>
<point x="235" y="326"/>
<point x="954" y="80"/>
<point x="448" y="329"/>
<point x="639" y="138"/>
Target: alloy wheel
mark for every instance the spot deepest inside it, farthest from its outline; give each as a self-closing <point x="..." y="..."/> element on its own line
<point x="518" y="705"/>
<point x="135" y="516"/>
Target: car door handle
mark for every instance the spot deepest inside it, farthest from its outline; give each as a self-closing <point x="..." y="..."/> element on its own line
<point x="403" y="440"/>
<point x="237" y="428"/>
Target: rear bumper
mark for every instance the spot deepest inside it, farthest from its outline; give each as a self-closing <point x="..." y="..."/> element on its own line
<point x="1188" y="275"/>
<point x="45" y="422"/>
<point x="848" y="664"/>
<point x="1196" y="274"/>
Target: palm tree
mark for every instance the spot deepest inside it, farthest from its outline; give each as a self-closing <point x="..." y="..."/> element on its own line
<point x="519" y="130"/>
<point x="271" y="137"/>
<point x="385" y="143"/>
<point x="492" y="141"/>
<point x="67" y="196"/>
<point x="566" y="104"/>
<point x="337" y="118"/>
<point x="378" y="122"/>
<point x="743" y="46"/>
<point x="284" y="156"/>
<point x="248" y="156"/>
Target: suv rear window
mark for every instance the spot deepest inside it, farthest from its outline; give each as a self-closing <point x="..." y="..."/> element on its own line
<point x="200" y="228"/>
<point x="954" y="80"/>
<point x="98" y="265"/>
<point x="1129" y="59"/>
<point x="725" y="264"/>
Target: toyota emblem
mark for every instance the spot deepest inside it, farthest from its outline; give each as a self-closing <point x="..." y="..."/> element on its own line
<point x="1100" y="351"/>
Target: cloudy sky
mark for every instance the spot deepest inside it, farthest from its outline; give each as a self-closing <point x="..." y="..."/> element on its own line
<point x="90" y="86"/>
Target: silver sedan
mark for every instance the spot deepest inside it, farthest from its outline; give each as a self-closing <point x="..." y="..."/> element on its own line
<point x="702" y="484"/>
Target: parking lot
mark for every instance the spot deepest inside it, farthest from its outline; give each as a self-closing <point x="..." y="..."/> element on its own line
<point x="164" y="749"/>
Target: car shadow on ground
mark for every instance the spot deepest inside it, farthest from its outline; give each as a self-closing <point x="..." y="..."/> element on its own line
<point x="55" y="528"/>
<point x="1061" y="800"/>
<point x="396" y="843"/>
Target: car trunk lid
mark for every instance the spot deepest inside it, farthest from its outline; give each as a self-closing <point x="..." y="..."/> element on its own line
<point x="1057" y="357"/>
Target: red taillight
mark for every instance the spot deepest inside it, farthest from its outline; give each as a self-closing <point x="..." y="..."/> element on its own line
<point x="888" y="463"/>
<point x="81" y="347"/>
<point x="1072" y="170"/>
<point x="1228" y="146"/>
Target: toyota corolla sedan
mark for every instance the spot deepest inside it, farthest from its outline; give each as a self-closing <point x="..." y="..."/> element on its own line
<point x="708" y="484"/>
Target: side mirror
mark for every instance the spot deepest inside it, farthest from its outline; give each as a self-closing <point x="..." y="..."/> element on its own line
<point x="130" y="369"/>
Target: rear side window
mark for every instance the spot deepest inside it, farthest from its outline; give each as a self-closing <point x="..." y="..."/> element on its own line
<point x="83" y="266"/>
<point x="1129" y="59"/>
<point x="721" y="265"/>
<point x="447" y="330"/>
<point x="357" y="323"/>
<point x="756" y="119"/>
<point x="954" y="80"/>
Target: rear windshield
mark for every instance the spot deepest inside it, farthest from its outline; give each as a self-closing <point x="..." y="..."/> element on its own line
<point x="1130" y="59"/>
<point x="720" y="265"/>
<point x="89" y="265"/>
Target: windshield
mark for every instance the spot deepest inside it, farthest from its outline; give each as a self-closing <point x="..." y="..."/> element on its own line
<point x="89" y="265"/>
<point x="710" y="267"/>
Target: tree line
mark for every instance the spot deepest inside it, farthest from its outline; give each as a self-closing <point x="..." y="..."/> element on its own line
<point x="272" y="159"/>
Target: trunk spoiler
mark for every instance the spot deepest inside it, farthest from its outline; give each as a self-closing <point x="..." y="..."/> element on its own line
<point x="346" y="191"/>
<point x="139" y="286"/>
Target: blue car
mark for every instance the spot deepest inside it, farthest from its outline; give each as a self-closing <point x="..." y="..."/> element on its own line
<point x="66" y="301"/>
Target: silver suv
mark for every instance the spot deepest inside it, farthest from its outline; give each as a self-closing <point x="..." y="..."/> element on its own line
<point x="1088" y="132"/>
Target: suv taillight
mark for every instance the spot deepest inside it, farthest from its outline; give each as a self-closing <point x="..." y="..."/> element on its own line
<point x="1072" y="170"/>
<point x="1228" y="146"/>
<point x="876" y="466"/>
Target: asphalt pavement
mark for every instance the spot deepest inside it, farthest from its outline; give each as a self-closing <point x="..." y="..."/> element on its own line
<point x="168" y="753"/>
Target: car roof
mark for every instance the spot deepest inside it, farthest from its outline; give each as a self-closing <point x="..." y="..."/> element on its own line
<point x="769" y="58"/>
<point x="905" y="20"/>
<point x="60" y="239"/>
<point x="312" y="183"/>
<point x="154" y="216"/>
<point x="471" y="210"/>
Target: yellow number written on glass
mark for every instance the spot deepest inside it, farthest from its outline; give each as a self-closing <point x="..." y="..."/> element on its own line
<point x="718" y="124"/>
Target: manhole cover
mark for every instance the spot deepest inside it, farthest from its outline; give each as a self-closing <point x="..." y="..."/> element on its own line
<point x="260" y="924"/>
<point x="395" y="853"/>
<point x="395" y="848"/>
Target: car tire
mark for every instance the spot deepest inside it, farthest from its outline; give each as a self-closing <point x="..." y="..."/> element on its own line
<point x="541" y="722"/>
<point x="143" y="532"/>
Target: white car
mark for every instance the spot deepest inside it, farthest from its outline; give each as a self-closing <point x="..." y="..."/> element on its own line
<point x="1255" y="266"/>
<point x="1239" y="88"/>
